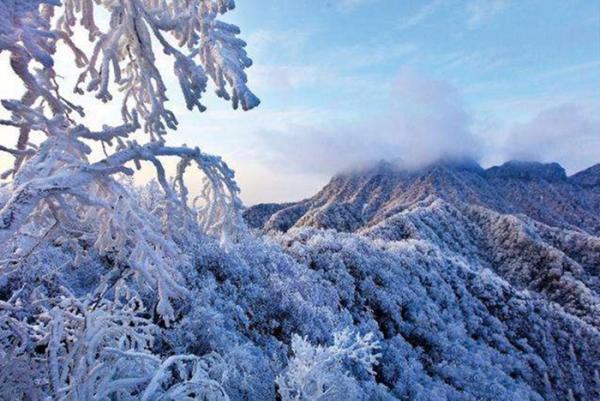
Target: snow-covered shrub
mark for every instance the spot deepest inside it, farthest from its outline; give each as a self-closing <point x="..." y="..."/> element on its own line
<point x="321" y="372"/>
<point x="94" y="349"/>
<point x="449" y="331"/>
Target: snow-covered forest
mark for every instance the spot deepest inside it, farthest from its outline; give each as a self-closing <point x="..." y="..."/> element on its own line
<point x="452" y="283"/>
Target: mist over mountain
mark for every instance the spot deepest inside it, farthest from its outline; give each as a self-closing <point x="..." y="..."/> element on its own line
<point x="368" y="195"/>
<point x="131" y="271"/>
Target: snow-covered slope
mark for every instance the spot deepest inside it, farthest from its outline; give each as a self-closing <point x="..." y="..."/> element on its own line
<point x="450" y="330"/>
<point x="589" y="177"/>
<point x="448" y="283"/>
<point x="361" y="198"/>
<point x="458" y="268"/>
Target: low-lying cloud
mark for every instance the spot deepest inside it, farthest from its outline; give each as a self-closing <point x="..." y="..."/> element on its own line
<point x="426" y="119"/>
<point x="481" y="11"/>
<point x="564" y="133"/>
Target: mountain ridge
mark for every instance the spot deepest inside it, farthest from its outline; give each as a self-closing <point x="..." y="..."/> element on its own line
<point x="464" y="272"/>
<point x="355" y="199"/>
<point x="528" y="222"/>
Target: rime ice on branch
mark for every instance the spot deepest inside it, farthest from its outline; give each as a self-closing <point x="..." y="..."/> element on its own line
<point x="99" y="344"/>
<point x="205" y="48"/>
<point x="55" y="181"/>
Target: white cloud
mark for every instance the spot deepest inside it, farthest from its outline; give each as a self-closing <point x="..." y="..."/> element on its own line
<point x="481" y="11"/>
<point x="262" y="42"/>
<point x="285" y="77"/>
<point x="480" y="60"/>
<point x="362" y="55"/>
<point x="421" y="14"/>
<point x="580" y="69"/>
<point x="566" y="134"/>
<point x="478" y="12"/>
<point x="426" y="120"/>
<point x="350" y="5"/>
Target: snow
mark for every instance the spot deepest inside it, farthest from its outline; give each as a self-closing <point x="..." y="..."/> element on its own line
<point x="451" y="283"/>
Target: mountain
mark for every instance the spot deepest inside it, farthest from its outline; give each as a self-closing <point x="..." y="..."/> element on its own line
<point x="527" y="221"/>
<point x="359" y="199"/>
<point x="459" y="267"/>
<point x="589" y="177"/>
<point x="448" y="283"/>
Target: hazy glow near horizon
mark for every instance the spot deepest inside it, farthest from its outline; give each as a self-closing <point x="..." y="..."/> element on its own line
<point x="343" y="82"/>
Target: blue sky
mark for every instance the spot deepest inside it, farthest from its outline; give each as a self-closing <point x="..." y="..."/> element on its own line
<point x="343" y="82"/>
<point x="346" y="82"/>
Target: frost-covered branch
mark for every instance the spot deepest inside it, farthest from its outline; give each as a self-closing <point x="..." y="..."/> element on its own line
<point x="205" y="48"/>
<point x="54" y="182"/>
<point x="95" y="351"/>
<point x="321" y="372"/>
<point x="82" y="346"/>
<point x="78" y="188"/>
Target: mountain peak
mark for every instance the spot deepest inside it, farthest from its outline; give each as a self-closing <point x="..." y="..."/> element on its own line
<point x="590" y="177"/>
<point x="365" y="196"/>
<point x="527" y="170"/>
<point x="457" y="164"/>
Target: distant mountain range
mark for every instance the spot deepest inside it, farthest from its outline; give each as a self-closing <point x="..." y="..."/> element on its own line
<point x="361" y="199"/>
<point x="468" y="266"/>
<point x="529" y="222"/>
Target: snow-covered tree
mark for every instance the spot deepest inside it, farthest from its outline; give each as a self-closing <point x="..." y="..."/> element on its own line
<point x="98" y="344"/>
<point x="54" y="185"/>
<point x="111" y="291"/>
